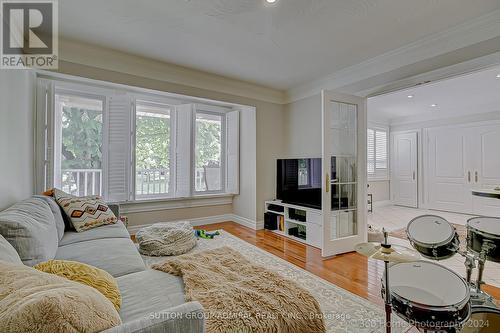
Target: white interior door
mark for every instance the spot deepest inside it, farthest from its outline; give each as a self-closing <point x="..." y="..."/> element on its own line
<point x="448" y="171"/>
<point x="404" y="166"/>
<point x="486" y="167"/>
<point x="344" y="172"/>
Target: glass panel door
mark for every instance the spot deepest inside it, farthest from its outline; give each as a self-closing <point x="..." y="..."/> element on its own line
<point x="344" y="168"/>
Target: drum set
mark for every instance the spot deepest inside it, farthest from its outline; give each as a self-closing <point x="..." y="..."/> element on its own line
<point x="430" y="296"/>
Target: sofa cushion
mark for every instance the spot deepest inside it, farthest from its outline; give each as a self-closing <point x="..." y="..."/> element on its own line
<point x="148" y="292"/>
<point x="8" y="253"/>
<point x="117" y="256"/>
<point x="117" y="230"/>
<point x="57" y="212"/>
<point x="85" y="212"/>
<point x="33" y="301"/>
<point x="89" y="275"/>
<point x="30" y="227"/>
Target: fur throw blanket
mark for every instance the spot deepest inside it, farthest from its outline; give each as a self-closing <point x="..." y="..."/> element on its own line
<point x="239" y="296"/>
<point x="166" y="239"/>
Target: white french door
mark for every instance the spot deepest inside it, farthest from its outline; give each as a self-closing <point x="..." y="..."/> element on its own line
<point x="344" y="172"/>
<point x="404" y="167"/>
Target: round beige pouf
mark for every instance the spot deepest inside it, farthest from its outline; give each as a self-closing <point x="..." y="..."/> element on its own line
<point x="166" y="239"/>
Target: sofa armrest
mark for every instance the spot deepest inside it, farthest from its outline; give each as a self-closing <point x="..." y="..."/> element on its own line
<point x="187" y="317"/>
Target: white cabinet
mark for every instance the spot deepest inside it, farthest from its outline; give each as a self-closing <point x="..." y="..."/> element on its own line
<point x="308" y="220"/>
<point x="457" y="160"/>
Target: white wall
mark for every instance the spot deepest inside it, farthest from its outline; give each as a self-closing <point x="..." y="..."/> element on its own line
<point x="303" y="127"/>
<point x="16" y="136"/>
<point x="380" y="190"/>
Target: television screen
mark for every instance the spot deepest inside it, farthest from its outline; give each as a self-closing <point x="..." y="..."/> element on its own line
<point x="299" y="181"/>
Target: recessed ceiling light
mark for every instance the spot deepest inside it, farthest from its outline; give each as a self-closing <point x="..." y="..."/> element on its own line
<point x="271" y="1"/>
<point x="410" y="96"/>
<point x="498" y="76"/>
<point x="434" y="105"/>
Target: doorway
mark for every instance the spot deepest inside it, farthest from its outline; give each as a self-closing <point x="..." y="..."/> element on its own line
<point x="404" y="172"/>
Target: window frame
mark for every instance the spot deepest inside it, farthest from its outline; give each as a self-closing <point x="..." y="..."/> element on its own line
<point x="379" y="174"/>
<point x="171" y="148"/>
<point x="210" y="110"/>
<point x="47" y="86"/>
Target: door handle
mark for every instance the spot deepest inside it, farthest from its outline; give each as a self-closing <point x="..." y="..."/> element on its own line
<point x="468" y="176"/>
<point x="413" y="175"/>
<point x="327" y="185"/>
<point x="476" y="177"/>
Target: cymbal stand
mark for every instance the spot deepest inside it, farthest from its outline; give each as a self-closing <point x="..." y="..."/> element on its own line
<point x="388" y="302"/>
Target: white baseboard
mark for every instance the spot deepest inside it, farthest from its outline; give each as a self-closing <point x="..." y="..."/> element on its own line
<point x="207" y="220"/>
<point x="382" y="203"/>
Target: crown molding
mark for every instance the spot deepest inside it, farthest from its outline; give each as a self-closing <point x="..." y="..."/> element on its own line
<point x="112" y="60"/>
<point x="466" y="34"/>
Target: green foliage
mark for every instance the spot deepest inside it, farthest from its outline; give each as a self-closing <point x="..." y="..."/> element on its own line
<point x="152" y="142"/>
<point x="81" y="138"/>
<point x="82" y="141"/>
<point x="208" y="143"/>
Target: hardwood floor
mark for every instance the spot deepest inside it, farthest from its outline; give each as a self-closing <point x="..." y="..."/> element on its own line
<point x="351" y="271"/>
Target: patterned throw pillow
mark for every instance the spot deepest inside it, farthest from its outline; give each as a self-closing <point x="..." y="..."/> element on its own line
<point x="85" y="212"/>
<point x="86" y="274"/>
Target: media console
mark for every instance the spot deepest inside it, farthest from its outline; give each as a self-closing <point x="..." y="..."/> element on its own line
<point x="299" y="223"/>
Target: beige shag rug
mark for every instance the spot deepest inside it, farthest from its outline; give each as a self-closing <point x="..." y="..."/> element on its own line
<point x="239" y="296"/>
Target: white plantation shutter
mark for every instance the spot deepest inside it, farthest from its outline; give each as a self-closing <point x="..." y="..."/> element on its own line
<point x="232" y="152"/>
<point x="371" y="151"/>
<point x="381" y="150"/>
<point x="377" y="157"/>
<point x="183" y="153"/>
<point x="119" y="148"/>
<point x="44" y="156"/>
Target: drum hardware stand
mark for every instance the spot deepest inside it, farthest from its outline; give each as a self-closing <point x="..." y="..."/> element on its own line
<point x="388" y="302"/>
<point x="478" y="297"/>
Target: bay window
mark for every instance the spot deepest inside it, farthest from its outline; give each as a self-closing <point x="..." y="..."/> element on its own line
<point x="130" y="146"/>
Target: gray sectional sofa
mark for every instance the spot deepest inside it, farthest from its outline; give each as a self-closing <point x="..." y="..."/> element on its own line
<point x="152" y="301"/>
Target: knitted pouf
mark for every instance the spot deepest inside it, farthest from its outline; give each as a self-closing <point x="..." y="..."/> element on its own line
<point x="166" y="239"/>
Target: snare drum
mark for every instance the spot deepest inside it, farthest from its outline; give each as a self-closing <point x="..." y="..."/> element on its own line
<point x="484" y="319"/>
<point x="433" y="236"/>
<point x="428" y="295"/>
<point x="480" y="229"/>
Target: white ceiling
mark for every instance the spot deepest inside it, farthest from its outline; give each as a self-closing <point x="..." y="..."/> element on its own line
<point x="463" y="95"/>
<point x="280" y="46"/>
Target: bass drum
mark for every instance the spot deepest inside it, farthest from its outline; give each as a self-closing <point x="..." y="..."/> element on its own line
<point x="428" y="295"/>
<point x="433" y="236"/>
<point x="483" y="320"/>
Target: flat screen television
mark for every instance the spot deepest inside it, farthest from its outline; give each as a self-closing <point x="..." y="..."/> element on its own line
<point x="299" y="181"/>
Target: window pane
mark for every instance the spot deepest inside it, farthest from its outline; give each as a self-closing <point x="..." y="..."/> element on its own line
<point x="152" y="151"/>
<point x="78" y="145"/>
<point x="208" y="152"/>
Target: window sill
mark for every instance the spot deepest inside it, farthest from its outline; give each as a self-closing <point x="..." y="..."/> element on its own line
<point x="148" y="205"/>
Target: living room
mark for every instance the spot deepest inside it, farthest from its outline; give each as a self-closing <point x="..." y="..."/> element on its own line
<point x="232" y="131"/>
